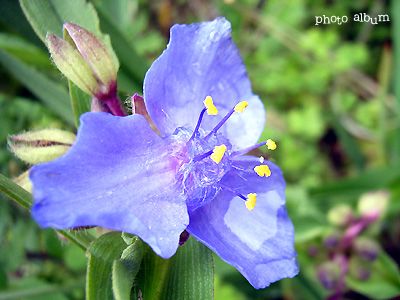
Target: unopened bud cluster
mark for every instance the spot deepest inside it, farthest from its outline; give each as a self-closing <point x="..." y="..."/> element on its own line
<point x="349" y="248"/>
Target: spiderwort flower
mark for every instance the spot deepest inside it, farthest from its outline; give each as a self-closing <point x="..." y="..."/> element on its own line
<point x="120" y="174"/>
<point x="85" y="60"/>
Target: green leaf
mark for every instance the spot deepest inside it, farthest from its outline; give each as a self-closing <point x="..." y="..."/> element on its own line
<point x="384" y="282"/>
<point x="131" y="62"/>
<point x="125" y="270"/>
<point x="102" y="253"/>
<point x="366" y="181"/>
<point x="189" y="274"/>
<point x="81" y="101"/>
<point x="49" y="16"/>
<point x="152" y="276"/>
<point x="48" y="91"/>
<point x="349" y="144"/>
<point x="395" y="7"/>
<point x="24" y="51"/>
<point x="37" y="289"/>
<point x="17" y="21"/>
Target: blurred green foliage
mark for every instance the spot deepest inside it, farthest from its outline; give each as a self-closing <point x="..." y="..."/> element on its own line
<point x="331" y="107"/>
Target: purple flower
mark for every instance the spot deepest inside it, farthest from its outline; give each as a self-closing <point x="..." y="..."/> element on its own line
<point x="120" y="174"/>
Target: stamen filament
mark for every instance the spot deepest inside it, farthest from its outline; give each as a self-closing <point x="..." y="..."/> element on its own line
<point x="270" y="144"/>
<point x="202" y="156"/>
<point x="224" y="119"/>
<point x="232" y="191"/>
<point x="250" y="200"/>
<point x="196" y="130"/>
<point x="244" y="151"/>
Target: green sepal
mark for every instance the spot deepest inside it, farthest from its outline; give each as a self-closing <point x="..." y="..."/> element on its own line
<point x="94" y="51"/>
<point x="72" y="64"/>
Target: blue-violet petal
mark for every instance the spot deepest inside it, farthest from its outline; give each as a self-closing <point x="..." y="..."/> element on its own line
<point x="202" y="60"/>
<point x="119" y="174"/>
<point x="258" y="243"/>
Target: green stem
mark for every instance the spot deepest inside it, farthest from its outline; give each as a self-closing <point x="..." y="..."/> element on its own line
<point x="80" y="238"/>
<point x="16" y="192"/>
<point x="23" y="197"/>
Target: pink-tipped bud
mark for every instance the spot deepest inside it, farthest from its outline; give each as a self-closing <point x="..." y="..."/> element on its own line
<point x="340" y="215"/>
<point x="373" y="204"/>
<point x="85" y="60"/>
<point x="329" y="274"/>
<point x="367" y="249"/>
<point x="332" y="240"/>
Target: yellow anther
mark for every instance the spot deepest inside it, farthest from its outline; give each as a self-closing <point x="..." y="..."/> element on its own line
<point x="271" y="144"/>
<point x="241" y="106"/>
<point x="211" y="109"/>
<point x="218" y="152"/>
<point x="251" y="201"/>
<point x="263" y="170"/>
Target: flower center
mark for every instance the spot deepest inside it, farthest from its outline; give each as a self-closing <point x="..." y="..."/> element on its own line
<point x="207" y="157"/>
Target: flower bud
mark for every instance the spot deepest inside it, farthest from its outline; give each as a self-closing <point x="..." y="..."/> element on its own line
<point x="332" y="240"/>
<point x="340" y="215"/>
<point x="40" y="146"/>
<point x="85" y="60"/>
<point x="329" y="274"/>
<point x="358" y="270"/>
<point x="312" y="251"/>
<point x="184" y="237"/>
<point x="366" y="248"/>
<point x="373" y="203"/>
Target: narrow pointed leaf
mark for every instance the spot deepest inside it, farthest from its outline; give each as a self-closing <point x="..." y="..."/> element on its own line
<point x="131" y="61"/>
<point x="48" y="91"/>
<point x="364" y="182"/>
<point x="49" y="16"/>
